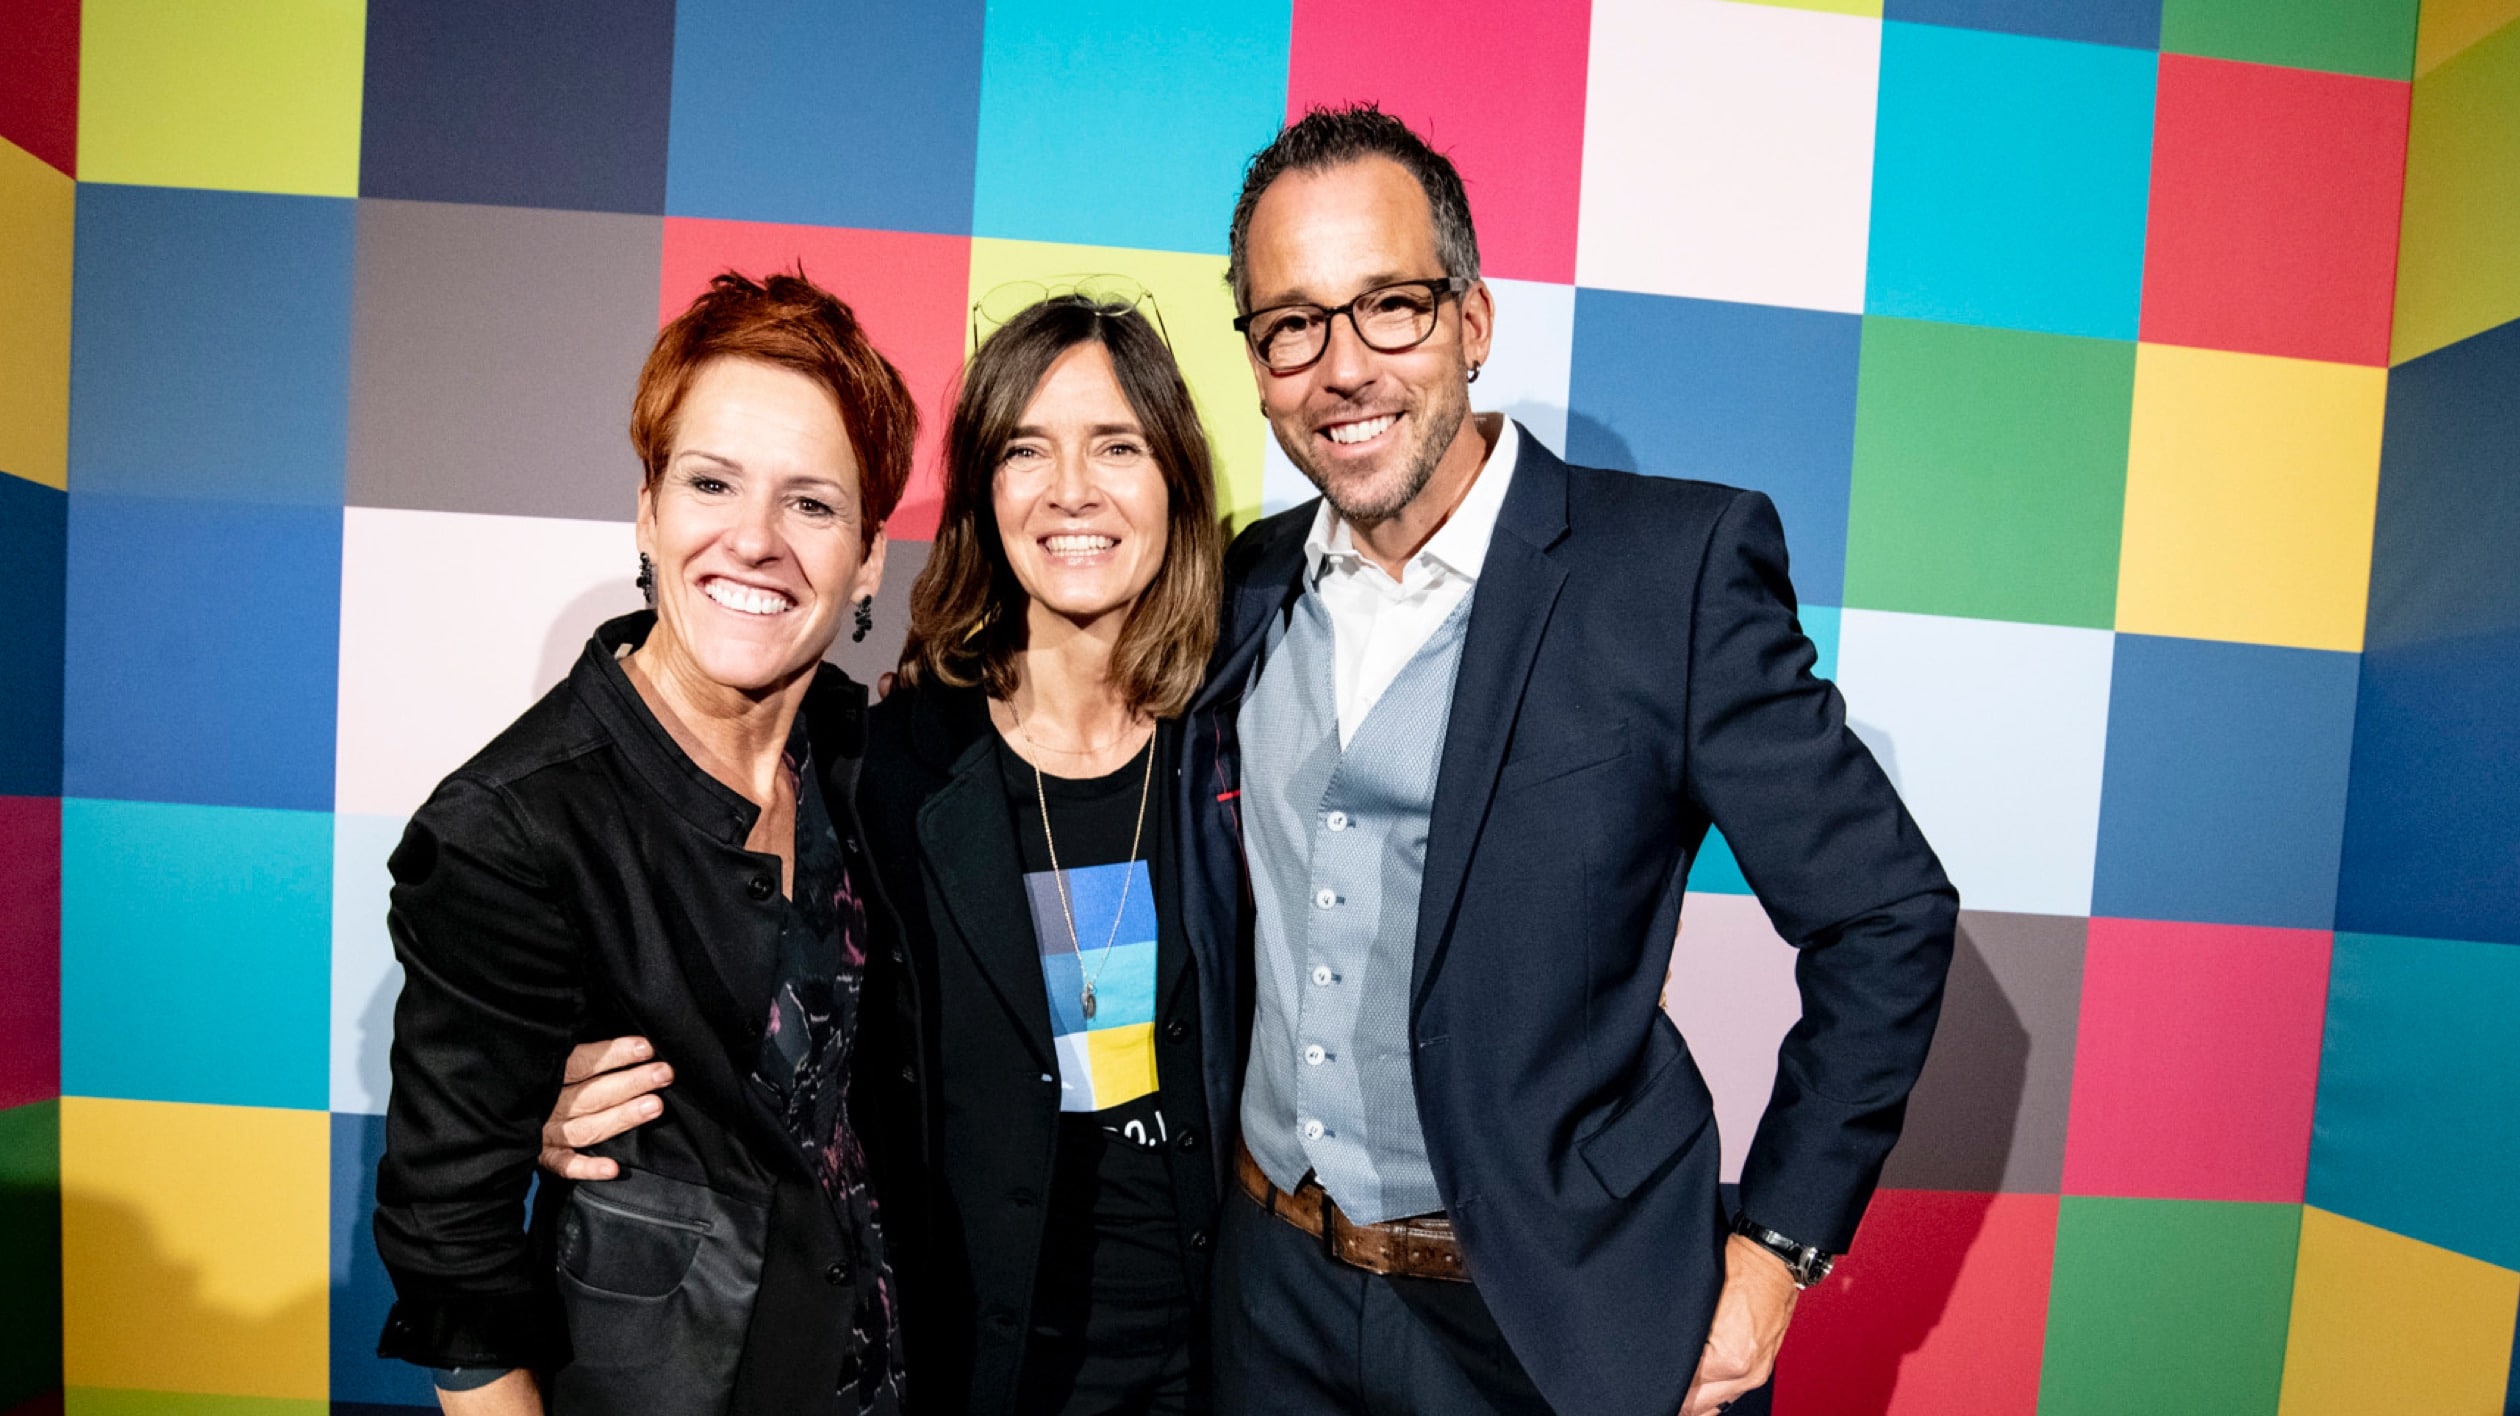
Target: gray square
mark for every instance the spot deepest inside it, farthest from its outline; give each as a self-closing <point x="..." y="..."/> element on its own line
<point x="494" y="351"/>
<point x="1989" y="1113"/>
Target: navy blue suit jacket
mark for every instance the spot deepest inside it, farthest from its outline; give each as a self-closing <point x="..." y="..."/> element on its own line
<point x="1634" y="672"/>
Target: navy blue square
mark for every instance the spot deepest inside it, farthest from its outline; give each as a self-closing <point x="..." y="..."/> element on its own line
<point x="204" y="647"/>
<point x="361" y="1293"/>
<point x="864" y="115"/>
<point x="2436" y="785"/>
<point x="2135" y="24"/>
<point x="558" y="103"/>
<point x="2223" y="801"/>
<point x="34" y="538"/>
<point x="1751" y="395"/>
<point x="210" y="344"/>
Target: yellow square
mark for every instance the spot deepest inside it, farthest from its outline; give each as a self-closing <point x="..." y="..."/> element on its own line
<point x="1124" y="1063"/>
<point x="243" y="95"/>
<point x="2250" y="485"/>
<point x="2379" y="1318"/>
<point x="1198" y="315"/>
<point x="36" y="207"/>
<point x="194" y="1248"/>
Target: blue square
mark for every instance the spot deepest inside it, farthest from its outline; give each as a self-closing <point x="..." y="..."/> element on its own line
<point x="1751" y="395"/>
<point x="864" y="115"/>
<point x="2223" y="798"/>
<point x="362" y="1294"/>
<point x="2436" y="789"/>
<point x="2133" y="23"/>
<point x="559" y="103"/>
<point x="204" y="646"/>
<point x="34" y="550"/>
<point x="193" y="949"/>
<point x="210" y="345"/>
<point x="2418" y="1122"/>
<point x="1125" y="122"/>
<point x="2010" y="181"/>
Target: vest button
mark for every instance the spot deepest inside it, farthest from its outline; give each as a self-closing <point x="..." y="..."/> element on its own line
<point x="1322" y="975"/>
<point x="1323" y="898"/>
<point x="1314" y="1056"/>
<point x="1336" y="821"/>
<point x="1312" y="1130"/>
<point x="759" y="887"/>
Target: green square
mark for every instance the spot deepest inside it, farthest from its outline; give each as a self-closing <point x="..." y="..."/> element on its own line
<point x="241" y="96"/>
<point x="2372" y="37"/>
<point x="1990" y="473"/>
<point x="108" y="1401"/>
<point x="30" y="1251"/>
<point x="2171" y="1307"/>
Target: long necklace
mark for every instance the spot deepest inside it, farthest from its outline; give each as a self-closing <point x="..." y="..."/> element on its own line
<point x="1128" y="877"/>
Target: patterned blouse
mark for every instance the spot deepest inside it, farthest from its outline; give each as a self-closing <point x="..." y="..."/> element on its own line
<point x="803" y="1065"/>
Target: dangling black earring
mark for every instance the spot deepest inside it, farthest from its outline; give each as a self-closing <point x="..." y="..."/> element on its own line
<point x="865" y="619"/>
<point x="647" y="579"/>
<point x="1474" y="373"/>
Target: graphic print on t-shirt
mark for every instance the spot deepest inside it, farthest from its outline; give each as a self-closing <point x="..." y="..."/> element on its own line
<point x="1107" y="1060"/>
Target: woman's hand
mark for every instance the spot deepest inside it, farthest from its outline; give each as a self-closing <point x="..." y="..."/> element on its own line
<point x="610" y="1089"/>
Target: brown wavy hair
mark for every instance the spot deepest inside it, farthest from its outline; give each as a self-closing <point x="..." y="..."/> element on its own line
<point x="790" y="322"/>
<point x="967" y="611"/>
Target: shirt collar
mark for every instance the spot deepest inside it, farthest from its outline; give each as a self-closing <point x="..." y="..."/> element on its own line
<point x="1460" y="544"/>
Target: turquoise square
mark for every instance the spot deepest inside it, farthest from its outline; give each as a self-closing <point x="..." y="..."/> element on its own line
<point x="195" y="952"/>
<point x="2010" y="181"/>
<point x="2418" y="1122"/>
<point x="1125" y="122"/>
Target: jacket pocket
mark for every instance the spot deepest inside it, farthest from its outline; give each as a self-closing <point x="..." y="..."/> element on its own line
<point x="1563" y="759"/>
<point x="1659" y="1120"/>
<point x="657" y="1277"/>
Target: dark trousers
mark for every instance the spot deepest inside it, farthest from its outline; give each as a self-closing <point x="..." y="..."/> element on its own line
<point x="1105" y="1356"/>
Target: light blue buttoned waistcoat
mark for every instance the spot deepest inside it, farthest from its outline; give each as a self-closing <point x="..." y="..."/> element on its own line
<point x="1336" y="842"/>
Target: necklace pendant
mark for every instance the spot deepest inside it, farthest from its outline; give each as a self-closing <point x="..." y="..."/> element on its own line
<point x="1089" y="1002"/>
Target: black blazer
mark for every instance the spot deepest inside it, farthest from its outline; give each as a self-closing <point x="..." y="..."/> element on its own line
<point x="936" y="813"/>
<point x="580" y="879"/>
<point x="1634" y="671"/>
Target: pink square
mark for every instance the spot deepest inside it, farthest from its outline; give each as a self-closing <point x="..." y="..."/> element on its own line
<point x="2274" y="210"/>
<point x="910" y="290"/>
<point x="1941" y="1307"/>
<point x="30" y="950"/>
<point x="2198" y="1062"/>
<point x="1495" y="85"/>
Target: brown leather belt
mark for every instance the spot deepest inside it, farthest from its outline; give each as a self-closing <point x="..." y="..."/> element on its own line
<point x="1422" y="1247"/>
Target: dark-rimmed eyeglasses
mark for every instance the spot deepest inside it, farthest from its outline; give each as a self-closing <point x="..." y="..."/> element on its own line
<point x="1107" y="294"/>
<point x="1389" y="318"/>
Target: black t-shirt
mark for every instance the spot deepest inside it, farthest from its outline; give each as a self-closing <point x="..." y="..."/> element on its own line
<point x="1113" y="1226"/>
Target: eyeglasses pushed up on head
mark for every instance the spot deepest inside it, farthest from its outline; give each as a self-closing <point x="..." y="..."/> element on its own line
<point x="1110" y="294"/>
<point x="1389" y="318"/>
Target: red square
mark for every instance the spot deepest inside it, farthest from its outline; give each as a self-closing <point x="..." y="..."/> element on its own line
<point x="2197" y="1065"/>
<point x="39" y="79"/>
<point x="2274" y="210"/>
<point x="910" y="290"/>
<point x="1495" y="85"/>
<point x="30" y="950"/>
<point x="1941" y="1307"/>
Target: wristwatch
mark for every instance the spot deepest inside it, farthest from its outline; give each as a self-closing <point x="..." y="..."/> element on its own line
<point x="1808" y="1265"/>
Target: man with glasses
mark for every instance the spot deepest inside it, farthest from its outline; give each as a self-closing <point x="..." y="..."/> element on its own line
<point x="1480" y="708"/>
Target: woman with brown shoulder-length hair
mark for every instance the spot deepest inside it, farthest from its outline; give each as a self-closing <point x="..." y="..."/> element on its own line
<point x="1023" y="776"/>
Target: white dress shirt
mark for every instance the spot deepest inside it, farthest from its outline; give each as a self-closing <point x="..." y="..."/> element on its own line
<point x="1380" y="623"/>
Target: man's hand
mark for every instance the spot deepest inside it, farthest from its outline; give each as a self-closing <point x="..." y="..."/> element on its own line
<point x="608" y="1091"/>
<point x="1750" y="1317"/>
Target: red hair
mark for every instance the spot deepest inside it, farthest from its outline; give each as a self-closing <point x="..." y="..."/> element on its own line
<point x="790" y="322"/>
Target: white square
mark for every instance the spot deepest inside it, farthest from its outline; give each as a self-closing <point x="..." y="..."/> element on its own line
<point x="1524" y="378"/>
<point x="452" y="624"/>
<point x="1728" y="152"/>
<point x="1731" y="990"/>
<point x="1995" y="733"/>
<point x="365" y="978"/>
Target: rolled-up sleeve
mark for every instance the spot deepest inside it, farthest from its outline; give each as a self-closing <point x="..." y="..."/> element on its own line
<point x="490" y="1001"/>
<point x="1843" y="873"/>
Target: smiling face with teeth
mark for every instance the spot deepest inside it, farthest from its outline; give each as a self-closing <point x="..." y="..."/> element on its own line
<point x="1081" y="504"/>
<point x="755" y="530"/>
<point x="1382" y="435"/>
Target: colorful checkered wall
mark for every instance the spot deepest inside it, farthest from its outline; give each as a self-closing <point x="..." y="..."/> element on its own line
<point x="2139" y="381"/>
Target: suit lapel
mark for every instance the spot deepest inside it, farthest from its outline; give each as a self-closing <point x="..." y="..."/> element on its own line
<point x="967" y="838"/>
<point x="1517" y="589"/>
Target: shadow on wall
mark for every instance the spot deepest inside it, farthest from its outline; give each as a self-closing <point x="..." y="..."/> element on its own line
<point x="142" y="1319"/>
<point x="30" y="1291"/>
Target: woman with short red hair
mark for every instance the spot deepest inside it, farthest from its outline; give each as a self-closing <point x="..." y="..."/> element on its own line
<point x="667" y="845"/>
